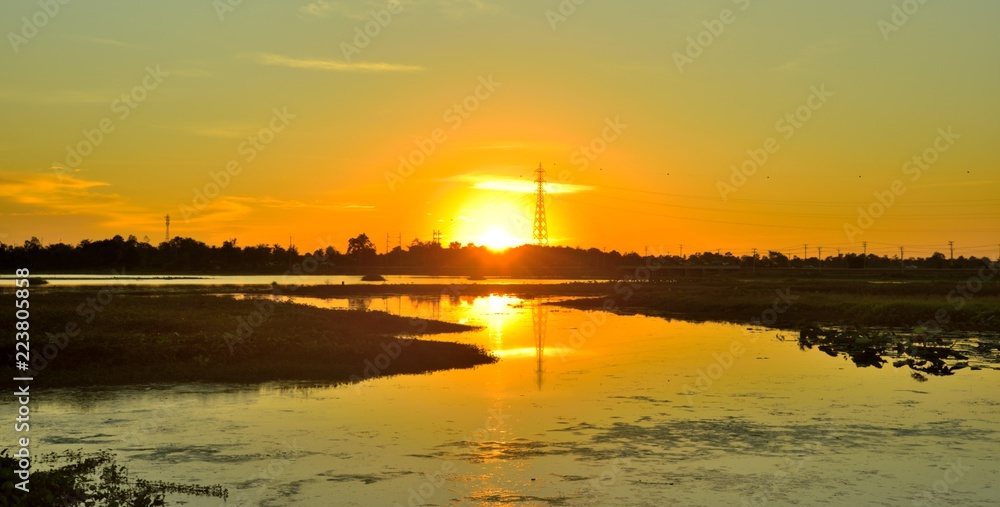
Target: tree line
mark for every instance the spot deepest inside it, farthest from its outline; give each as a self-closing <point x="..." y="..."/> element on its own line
<point x="188" y="255"/>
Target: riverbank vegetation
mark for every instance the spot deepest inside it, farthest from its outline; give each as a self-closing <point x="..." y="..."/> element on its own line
<point x="105" y="338"/>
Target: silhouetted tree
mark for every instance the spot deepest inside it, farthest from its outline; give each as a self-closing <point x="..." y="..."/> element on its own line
<point x="360" y="248"/>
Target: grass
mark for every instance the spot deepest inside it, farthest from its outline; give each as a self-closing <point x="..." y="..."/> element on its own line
<point x="178" y="337"/>
<point x="830" y="302"/>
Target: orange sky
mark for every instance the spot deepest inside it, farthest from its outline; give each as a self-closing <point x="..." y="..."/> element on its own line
<point x="117" y="114"/>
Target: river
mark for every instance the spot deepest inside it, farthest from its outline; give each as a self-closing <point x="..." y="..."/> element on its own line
<point x="584" y="408"/>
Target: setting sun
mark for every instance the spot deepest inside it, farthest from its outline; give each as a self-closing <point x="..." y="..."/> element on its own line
<point x="498" y="239"/>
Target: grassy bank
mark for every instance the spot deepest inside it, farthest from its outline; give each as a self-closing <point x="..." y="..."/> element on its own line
<point x="796" y="302"/>
<point x="176" y="337"/>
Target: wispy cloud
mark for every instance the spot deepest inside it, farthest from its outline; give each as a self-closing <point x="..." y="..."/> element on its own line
<point x="36" y="193"/>
<point x="271" y="202"/>
<point x="331" y="65"/>
<point x="520" y="185"/>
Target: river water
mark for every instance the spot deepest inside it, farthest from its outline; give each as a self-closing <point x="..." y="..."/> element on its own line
<point x="584" y="408"/>
<point x="154" y="280"/>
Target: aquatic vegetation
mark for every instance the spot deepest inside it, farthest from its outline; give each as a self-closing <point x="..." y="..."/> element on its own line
<point x="74" y="478"/>
<point x="871" y="347"/>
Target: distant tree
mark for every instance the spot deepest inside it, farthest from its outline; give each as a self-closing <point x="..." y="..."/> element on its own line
<point x="778" y="259"/>
<point x="937" y="260"/>
<point x="360" y="247"/>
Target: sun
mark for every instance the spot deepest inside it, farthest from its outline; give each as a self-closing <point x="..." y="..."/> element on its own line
<point x="497" y="239"/>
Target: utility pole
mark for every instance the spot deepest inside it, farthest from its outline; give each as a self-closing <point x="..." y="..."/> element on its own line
<point x="901" y="264"/>
<point x="864" y="257"/>
<point x="820" y="256"/>
<point x="805" y="252"/>
<point x="754" y="269"/>
<point x="951" y="246"/>
<point x="682" y="251"/>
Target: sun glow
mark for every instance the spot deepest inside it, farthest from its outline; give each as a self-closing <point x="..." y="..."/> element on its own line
<point x="497" y="239"/>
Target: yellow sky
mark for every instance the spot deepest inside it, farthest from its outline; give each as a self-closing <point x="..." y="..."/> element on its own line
<point x="641" y="109"/>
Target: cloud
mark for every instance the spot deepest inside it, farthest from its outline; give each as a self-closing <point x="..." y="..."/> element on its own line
<point x="48" y="195"/>
<point x="270" y="202"/>
<point x="331" y="65"/>
<point x="521" y="185"/>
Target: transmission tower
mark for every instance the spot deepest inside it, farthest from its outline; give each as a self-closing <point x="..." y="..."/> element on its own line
<point x="167" y="235"/>
<point x="437" y="238"/>
<point x="539" y="320"/>
<point x="540" y="233"/>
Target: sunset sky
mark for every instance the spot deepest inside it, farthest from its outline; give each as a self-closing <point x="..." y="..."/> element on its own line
<point x="313" y="119"/>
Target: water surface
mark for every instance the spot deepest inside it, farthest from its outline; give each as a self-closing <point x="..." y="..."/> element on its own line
<point x="584" y="408"/>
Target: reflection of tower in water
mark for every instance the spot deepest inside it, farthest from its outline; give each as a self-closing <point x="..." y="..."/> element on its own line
<point x="539" y="320"/>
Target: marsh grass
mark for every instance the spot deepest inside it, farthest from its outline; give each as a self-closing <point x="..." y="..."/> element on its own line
<point x="831" y="302"/>
<point x="181" y="338"/>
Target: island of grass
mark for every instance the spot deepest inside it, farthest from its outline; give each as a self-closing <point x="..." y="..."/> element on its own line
<point x="138" y="339"/>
